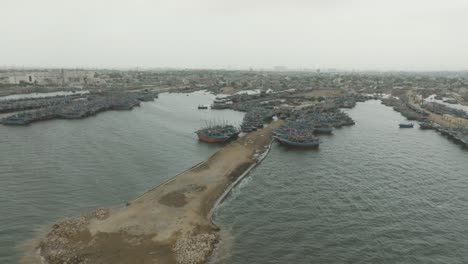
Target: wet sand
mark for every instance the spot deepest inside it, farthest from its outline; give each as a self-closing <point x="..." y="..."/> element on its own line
<point x="169" y="224"/>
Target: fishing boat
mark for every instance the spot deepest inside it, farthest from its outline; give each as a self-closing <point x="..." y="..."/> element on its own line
<point x="254" y="119"/>
<point x="323" y="130"/>
<point x="427" y="125"/>
<point x="295" y="142"/>
<point x="213" y="138"/>
<point x="248" y="128"/>
<point x="16" y="120"/>
<point x="406" y="125"/>
<point x="217" y="134"/>
<point x="202" y="107"/>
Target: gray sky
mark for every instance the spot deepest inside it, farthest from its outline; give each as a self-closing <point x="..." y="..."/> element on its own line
<point x="344" y="34"/>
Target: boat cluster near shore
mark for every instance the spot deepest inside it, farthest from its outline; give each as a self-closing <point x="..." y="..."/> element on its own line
<point x="70" y="107"/>
<point x="217" y="133"/>
<point x="451" y="123"/>
<point x="304" y="123"/>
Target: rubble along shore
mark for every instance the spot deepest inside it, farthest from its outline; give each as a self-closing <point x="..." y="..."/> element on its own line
<point x="168" y="224"/>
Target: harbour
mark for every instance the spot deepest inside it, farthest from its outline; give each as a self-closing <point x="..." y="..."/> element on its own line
<point x="372" y="194"/>
<point x="222" y="132"/>
<point x="382" y="121"/>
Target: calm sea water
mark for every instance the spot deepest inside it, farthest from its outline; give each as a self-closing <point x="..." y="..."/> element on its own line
<point x="60" y="168"/>
<point x="373" y="193"/>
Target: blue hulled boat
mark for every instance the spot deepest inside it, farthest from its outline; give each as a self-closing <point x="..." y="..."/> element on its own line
<point x="298" y="143"/>
<point x="406" y="125"/>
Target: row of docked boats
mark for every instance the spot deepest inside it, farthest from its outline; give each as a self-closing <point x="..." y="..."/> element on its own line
<point x="302" y="133"/>
<point x="458" y="134"/>
<point x="254" y="119"/>
<point x="298" y="140"/>
<point x="299" y="134"/>
<point x="74" y="107"/>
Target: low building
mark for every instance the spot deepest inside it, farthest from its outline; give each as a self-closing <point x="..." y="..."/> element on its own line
<point x="53" y="77"/>
<point x="19" y="79"/>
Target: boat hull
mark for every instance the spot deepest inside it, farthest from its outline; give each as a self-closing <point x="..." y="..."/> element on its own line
<point x="406" y="125"/>
<point x="218" y="139"/>
<point x="212" y="139"/>
<point x="291" y="144"/>
<point x="323" y="130"/>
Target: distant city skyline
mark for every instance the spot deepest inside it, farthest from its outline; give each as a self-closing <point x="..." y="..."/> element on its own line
<point x="361" y="35"/>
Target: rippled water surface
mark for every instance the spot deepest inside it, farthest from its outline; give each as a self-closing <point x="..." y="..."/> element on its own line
<point x="60" y="168"/>
<point x="373" y="193"/>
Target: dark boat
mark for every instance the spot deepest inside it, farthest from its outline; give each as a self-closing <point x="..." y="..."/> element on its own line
<point x="404" y="125"/>
<point x="202" y="107"/>
<point x="295" y="142"/>
<point x="254" y="119"/>
<point x="323" y="130"/>
<point x="248" y="128"/>
<point x="217" y="134"/>
<point x="427" y="125"/>
<point x="213" y="138"/>
<point x="16" y="120"/>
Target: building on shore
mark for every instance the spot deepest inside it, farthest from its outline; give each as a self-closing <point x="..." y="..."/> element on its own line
<point x="51" y="77"/>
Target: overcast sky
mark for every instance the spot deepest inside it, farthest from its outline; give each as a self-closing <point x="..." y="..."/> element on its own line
<point x="343" y="34"/>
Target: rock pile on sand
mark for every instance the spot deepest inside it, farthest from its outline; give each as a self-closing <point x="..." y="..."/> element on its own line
<point x="194" y="249"/>
<point x="101" y="213"/>
<point x="59" y="247"/>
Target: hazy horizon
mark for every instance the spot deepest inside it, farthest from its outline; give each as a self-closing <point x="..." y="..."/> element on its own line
<point x="360" y="35"/>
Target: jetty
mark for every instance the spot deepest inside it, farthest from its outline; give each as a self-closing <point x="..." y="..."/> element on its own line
<point x="171" y="223"/>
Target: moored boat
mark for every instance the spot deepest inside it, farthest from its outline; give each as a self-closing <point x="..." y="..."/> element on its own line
<point x="248" y="128"/>
<point x="428" y="125"/>
<point x="323" y="130"/>
<point x="217" y="134"/>
<point x="20" y="119"/>
<point x="15" y="122"/>
<point x="212" y="138"/>
<point x="406" y="125"/>
<point x="298" y="143"/>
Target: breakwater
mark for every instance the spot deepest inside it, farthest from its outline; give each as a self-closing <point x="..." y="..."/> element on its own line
<point x="61" y="168"/>
<point x="185" y="233"/>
